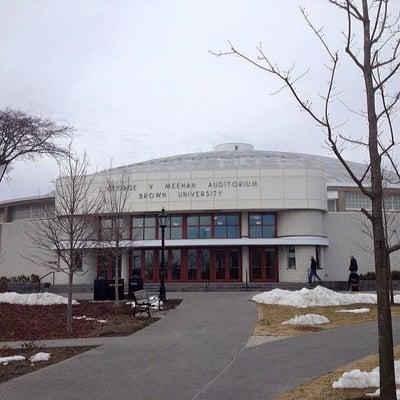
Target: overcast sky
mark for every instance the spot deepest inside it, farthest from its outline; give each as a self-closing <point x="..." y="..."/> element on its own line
<point x="136" y="79"/>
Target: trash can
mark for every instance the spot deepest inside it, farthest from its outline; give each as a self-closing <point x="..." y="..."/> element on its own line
<point x="135" y="284"/>
<point x="111" y="289"/>
<point x="100" y="289"/>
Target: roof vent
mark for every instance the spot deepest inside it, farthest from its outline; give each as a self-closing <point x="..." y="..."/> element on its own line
<point x="234" y="147"/>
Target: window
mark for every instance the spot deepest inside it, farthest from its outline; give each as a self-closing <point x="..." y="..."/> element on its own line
<point x="332" y="206"/>
<point x="199" y="226"/>
<point x="291" y="257"/>
<point x="174" y="228"/>
<point x="356" y="201"/>
<point x="103" y="264"/>
<point x="113" y="228"/>
<point x="78" y="261"/>
<point x="227" y="226"/>
<point x="106" y="265"/>
<point x="144" y="228"/>
<point x="262" y="225"/>
<point x="20" y="213"/>
<point x="149" y="265"/>
<point x="136" y="263"/>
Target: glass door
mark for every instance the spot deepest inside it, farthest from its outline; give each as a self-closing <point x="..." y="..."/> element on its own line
<point x="263" y="264"/>
<point x="205" y="263"/>
<point x="192" y="265"/>
<point x="233" y="261"/>
<point x="220" y="265"/>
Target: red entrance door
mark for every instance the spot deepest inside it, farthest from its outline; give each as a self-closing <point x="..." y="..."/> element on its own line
<point x="190" y="265"/>
<point x="263" y="264"/>
<point x="228" y="265"/>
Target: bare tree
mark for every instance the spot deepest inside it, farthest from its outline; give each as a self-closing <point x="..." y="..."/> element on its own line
<point x="65" y="230"/>
<point x="115" y="223"/>
<point x="26" y="137"/>
<point x="372" y="42"/>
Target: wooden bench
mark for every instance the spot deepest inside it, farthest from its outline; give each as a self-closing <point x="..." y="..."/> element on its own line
<point x="142" y="302"/>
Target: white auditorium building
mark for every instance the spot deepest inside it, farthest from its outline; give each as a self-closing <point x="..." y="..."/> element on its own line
<point x="236" y="215"/>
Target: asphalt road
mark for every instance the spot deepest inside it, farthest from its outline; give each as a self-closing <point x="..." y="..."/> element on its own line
<point x="197" y="352"/>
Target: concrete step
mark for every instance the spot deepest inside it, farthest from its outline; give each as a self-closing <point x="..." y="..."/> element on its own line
<point x="211" y="286"/>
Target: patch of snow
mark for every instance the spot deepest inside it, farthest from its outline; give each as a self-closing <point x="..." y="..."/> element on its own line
<point x="38" y="357"/>
<point x="317" y="297"/>
<point x="85" y="318"/>
<point x="355" y="311"/>
<point x="307" y="319"/>
<point x="6" y="360"/>
<point x="363" y="379"/>
<point x="153" y="302"/>
<point x="34" y="299"/>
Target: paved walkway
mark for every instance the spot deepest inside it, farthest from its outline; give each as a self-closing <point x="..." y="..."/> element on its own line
<point x="197" y="352"/>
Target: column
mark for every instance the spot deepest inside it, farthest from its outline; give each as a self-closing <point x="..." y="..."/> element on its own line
<point x="244" y="224"/>
<point x="125" y="265"/>
<point x="245" y="264"/>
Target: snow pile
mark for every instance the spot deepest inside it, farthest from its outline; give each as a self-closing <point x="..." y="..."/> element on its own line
<point x="355" y="311"/>
<point x="317" y="297"/>
<point x="363" y="379"/>
<point x="34" y="299"/>
<point x="85" y="318"/>
<point x="6" y="360"/>
<point x="307" y="319"/>
<point x="153" y="302"/>
<point x="38" y="357"/>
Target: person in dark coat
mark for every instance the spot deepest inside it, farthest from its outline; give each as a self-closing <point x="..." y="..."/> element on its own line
<point x="137" y="283"/>
<point x="313" y="271"/>
<point x="354" y="282"/>
<point x="353" y="264"/>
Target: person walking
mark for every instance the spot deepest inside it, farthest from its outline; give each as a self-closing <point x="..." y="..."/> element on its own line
<point x="354" y="279"/>
<point x="353" y="264"/>
<point x="313" y="271"/>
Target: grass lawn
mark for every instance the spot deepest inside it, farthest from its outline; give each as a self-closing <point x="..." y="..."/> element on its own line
<point x="321" y="388"/>
<point x="18" y="368"/>
<point x="22" y="322"/>
<point x="270" y="318"/>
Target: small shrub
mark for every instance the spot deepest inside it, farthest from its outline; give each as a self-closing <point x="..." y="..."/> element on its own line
<point x="34" y="278"/>
<point x="371" y="276"/>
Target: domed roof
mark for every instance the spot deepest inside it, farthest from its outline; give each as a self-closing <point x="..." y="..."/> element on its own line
<point x="242" y="156"/>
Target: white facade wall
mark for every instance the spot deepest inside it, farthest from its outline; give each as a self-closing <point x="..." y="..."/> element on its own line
<point x="300" y="223"/>
<point x="347" y="237"/>
<point x="16" y="249"/>
<point x="299" y="274"/>
<point x="220" y="189"/>
<point x="18" y="252"/>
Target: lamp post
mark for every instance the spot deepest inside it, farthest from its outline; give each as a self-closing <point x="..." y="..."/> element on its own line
<point x="163" y="222"/>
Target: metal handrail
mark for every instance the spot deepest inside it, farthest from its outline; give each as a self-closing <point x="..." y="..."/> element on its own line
<point x="44" y="276"/>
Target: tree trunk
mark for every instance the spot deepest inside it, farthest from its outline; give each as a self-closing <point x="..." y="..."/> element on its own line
<point x="116" y="276"/>
<point x="69" y="306"/>
<point x="390" y="280"/>
<point x="386" y="358"/>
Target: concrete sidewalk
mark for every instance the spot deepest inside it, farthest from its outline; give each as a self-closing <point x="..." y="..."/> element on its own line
<point x="197" y="352"/>
<point x="174" y="358"/>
